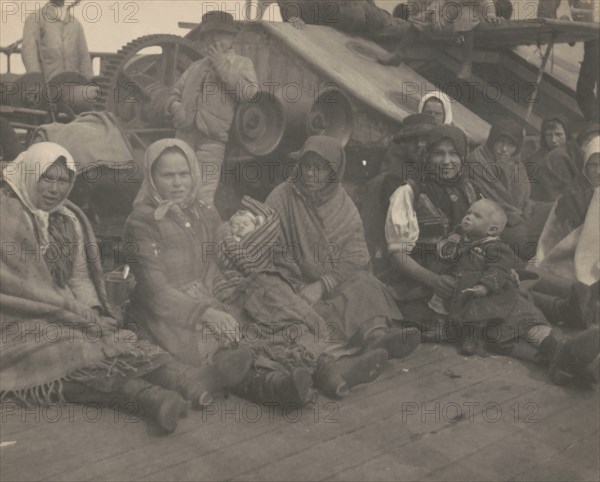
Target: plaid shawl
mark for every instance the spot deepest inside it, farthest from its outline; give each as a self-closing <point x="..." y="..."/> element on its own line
<point x="47" y="336"/>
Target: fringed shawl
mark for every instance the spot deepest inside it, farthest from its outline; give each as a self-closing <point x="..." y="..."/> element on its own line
<point x="46" y="337"/>
<point x="322" y="240"/>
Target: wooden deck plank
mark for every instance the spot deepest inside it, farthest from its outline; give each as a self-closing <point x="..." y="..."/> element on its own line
<point x="342" y="453"/>
<point x="515" y="453"/>
<point x="352" y="418"/>
<point x="581" y="461"/>
<point x="130" y="463"/>
<point x="364" y="444"/>
<point x="440" y="448"/>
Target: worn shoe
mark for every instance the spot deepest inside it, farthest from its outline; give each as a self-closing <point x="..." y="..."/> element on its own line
<point x="262" y="386"/>
<point x="232" y="366"/>
<point x="190" y="382"/>
<point x="165" y="407"/>
<point x="398" y="342"/>
<point x="584" y="305"/>
<point x="577" y="358"/>
<point x="335" y="377"/>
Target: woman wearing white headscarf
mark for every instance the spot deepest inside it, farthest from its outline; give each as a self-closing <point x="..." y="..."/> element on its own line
<point x="52" y="288"/>
<point x="569" y="245"/>
<point x="568" y="257"/>
<point x="175" y="265"/>
<point x="437" y="105"/>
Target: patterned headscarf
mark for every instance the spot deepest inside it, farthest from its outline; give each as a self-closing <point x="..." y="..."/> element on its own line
<point x="23" y="174"/>
<point x="149" y="194"/>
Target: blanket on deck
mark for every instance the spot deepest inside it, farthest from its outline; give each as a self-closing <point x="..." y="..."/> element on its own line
<point x="93" y="139"/>
<point x="47" y="337"/>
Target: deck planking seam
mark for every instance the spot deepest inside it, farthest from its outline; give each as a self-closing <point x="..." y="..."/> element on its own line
<point x="364" y="418"/>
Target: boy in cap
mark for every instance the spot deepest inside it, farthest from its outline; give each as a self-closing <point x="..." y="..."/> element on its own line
<point x="203" y="101"/>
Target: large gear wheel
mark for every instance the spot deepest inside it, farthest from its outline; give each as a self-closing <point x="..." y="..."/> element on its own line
<point x="134" y="81"/>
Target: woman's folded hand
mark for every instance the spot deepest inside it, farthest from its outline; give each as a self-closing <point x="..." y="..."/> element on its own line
<point x="220" y="324"/>
<point x="313" y="292"/>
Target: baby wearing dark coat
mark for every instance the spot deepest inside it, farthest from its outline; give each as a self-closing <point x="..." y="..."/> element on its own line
<point x="486" y="302"/>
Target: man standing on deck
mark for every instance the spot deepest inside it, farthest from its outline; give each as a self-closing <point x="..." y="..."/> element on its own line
<point x="202" y="102"/>
<point x="54" y="42"/>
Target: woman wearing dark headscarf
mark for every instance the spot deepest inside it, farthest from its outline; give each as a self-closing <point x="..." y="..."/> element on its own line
<point x="423" y="213"/>
<point x="57" y="291"/>
<point x="426" y="209"/>
<point x="557" y="162"/>
<point x="497" y="173"/>
<point x="175" y="266"/>
<point x="328" y="255"/>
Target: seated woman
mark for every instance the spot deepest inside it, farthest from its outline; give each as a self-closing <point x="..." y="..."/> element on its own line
<point x="498" y="174"/>
<point x="326" y="252"/>
<point x="423" y="213"/>
<point x="251" y="281"/>
<point x="54" y="291"/>
<point x="556" y="164"/>
<point x="424" y="210"/>
<point x="568" y="250"/>
<point x="175" y="267"/>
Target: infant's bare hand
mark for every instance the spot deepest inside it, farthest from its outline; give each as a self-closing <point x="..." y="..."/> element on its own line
<point x="479" y="291"/>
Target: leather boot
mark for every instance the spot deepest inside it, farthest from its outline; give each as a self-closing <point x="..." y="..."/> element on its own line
<point x="285" y="388"/>
<point x="335" y="377"/>
<point x="577" y="358"/>
<point x="165" y="407"/>
<point x="190" y="382"/>
<point x="399" y="342"/>
<point x="232" y="366"/>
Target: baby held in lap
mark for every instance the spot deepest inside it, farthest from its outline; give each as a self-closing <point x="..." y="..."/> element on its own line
<point x="482" y="266"/>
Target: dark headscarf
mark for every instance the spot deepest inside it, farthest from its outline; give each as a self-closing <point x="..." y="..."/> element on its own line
<point x="572" y="205"/>
<point x="55" y="228"/>
<point x="332" y="151"/>
<point x="506" y="128"/>
<point x="452" y="133"/>
<point x="552" y="120"/>
<point x="452" y="196"/>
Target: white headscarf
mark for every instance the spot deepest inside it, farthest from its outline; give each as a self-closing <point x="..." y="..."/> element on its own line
<point x="587" y="253"/>
<point x="149" y="193"/>
<point x="444" y="99"/>
<point x="23" y="174"/>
